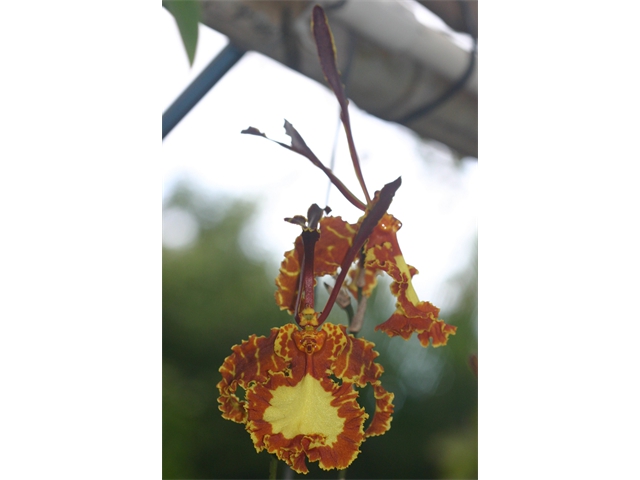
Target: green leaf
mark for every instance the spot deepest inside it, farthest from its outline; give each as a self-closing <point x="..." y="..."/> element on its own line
<point x="187" y="15"/>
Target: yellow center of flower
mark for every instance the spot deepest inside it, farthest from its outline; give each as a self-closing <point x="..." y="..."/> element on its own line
<point x="304" y="409"/>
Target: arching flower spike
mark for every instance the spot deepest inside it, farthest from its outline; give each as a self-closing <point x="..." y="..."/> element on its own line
<point x="292" y="405"/>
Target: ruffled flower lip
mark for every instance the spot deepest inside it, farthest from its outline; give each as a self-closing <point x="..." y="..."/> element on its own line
<point x="293" y="407"/>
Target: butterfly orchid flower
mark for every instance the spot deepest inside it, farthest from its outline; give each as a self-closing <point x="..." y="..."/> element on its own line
<point x="300" y="398"/>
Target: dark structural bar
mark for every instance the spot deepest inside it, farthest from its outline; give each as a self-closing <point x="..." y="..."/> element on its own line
<point x="204" y="82"/>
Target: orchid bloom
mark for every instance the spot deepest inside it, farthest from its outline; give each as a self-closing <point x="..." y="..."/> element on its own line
<point x="292" y="405"/>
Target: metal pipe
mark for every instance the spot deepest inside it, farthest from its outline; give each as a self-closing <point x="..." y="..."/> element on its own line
<point x="392" y="25"/>
<point x="204" y="82"/>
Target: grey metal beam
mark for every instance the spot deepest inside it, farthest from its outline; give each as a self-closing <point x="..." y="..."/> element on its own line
<point x="213" y="72"/>
<point x="391" y="85"/>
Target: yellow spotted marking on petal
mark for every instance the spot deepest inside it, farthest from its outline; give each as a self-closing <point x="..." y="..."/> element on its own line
<point x="304" y="409"/>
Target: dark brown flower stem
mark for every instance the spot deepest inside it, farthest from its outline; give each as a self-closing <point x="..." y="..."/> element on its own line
<point x="354" y="155"/>
<point x="299" y="146"/>
<point x="327" y="55"/>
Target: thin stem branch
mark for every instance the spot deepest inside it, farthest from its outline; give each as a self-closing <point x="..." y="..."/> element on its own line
<point x="354" y="155"/>
<point x="273" y="467"/>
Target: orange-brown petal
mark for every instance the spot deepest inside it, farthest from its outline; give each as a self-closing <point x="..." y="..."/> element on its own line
<point x="383" y="253"/>
<point x="426" y="326"/>
<point x="411" y="315"/>
<point x="356" y="364"/>
<point x="382" y="417"/>
<point x="288" y="278"/>
<point x="335" y="239"/>
<point x="385" y="234"/>
<point x="412" y="306"/>
<point x="356" y="361"/>
<point x="251" y="361"/>
<point x="421" y="318"/>
<point x="334" y="345"/>
<point x="399" y="325"/>
<point x="438" y="333"/>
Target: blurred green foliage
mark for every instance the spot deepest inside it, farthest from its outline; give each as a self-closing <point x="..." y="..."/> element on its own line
<point x="214" y="297"/>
